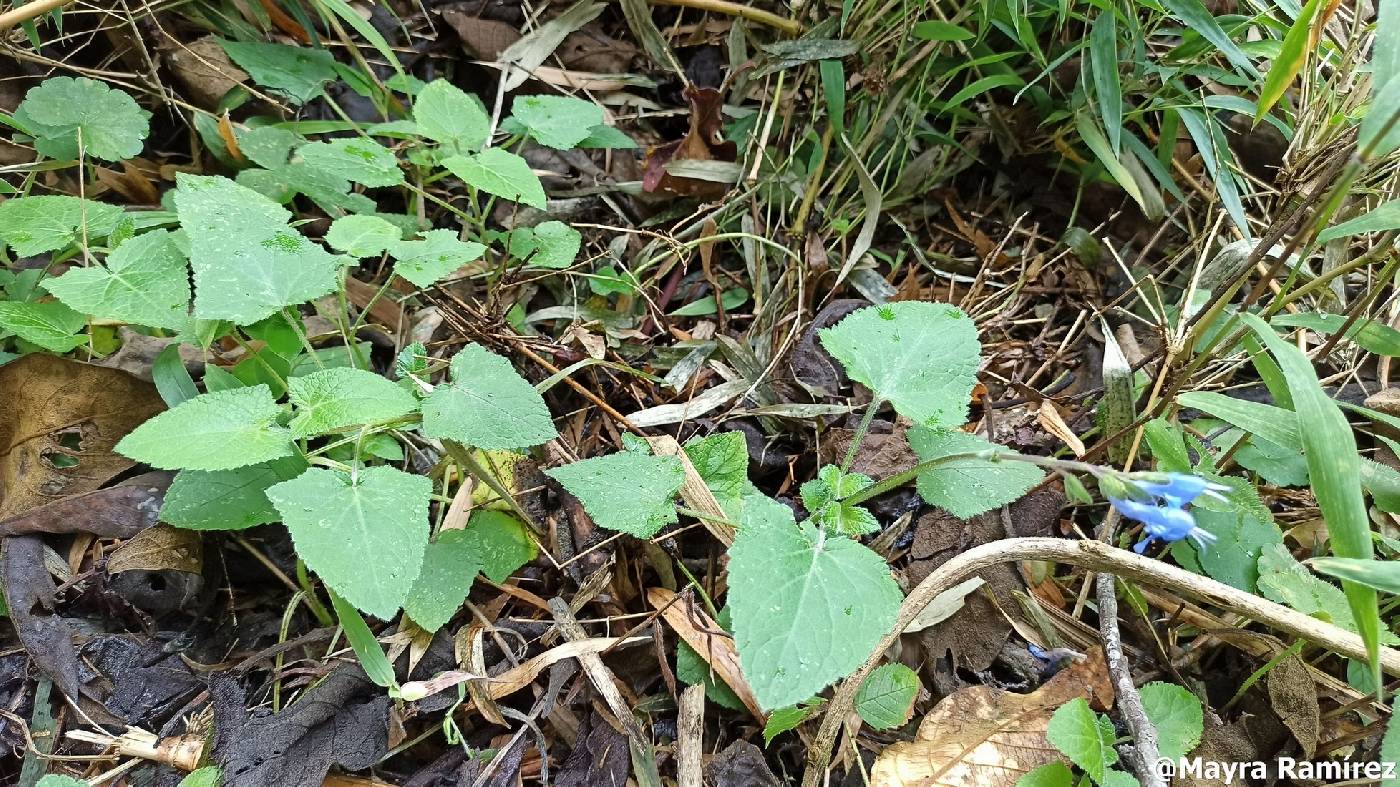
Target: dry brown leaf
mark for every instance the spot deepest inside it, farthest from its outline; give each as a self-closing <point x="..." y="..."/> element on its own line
<point x="1050" y="418"/>
<point x="384" y="311"/>
<point x="160" y="548"/>
<point x="486" y="39"/>
<point x="62" y="419"/>
<point x="987" y="737"/>
<point x="695" y="492"/>
<point x="704" y="142"/>
<point x="693" y="625"/>
<point x="204" y="71"/>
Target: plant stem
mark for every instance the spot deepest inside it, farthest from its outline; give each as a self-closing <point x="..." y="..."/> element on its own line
<point x="861" y="431"/>
<point x="323" y="615"/>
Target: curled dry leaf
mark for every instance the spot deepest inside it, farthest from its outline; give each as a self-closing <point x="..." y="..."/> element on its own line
<point x="985" y="736"/>
<point x="704" y="142"/>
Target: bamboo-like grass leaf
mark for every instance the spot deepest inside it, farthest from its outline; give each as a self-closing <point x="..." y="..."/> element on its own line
<point x="1334" y="468"/>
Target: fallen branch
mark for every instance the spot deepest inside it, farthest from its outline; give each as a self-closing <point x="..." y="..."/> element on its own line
<point x="1095" y="556"/>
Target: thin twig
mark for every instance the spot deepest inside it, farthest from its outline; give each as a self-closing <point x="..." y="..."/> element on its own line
<point x="790" y="26"/>
<point x="1095" y="556"/>
<point x="1128" y="699"/>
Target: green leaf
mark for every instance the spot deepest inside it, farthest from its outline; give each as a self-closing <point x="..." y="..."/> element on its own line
<point x="364" y="643"/>
<point x="1197" y="18"/>
<point x="1285" y="67"/>
<point x="1334" y="468"/>
<point x="886" y="698"/>
<point x="213" y="431"/>
<point x="445" y="114"/>
<point x="358" y="160"/>
<point x="603" y="137"/>
<point x="172" y="379"/>
<point x="34" y="225"/>
<point x="730" y="299"/>
<point x="1177" y="715"/>
<point x="227" y="499"/>
<point x="1370" y="335"/>
<point x="500" y="542"/>
<point x="1115" y="164"/>
<point x="822" y="498"/>
<point x="248" y="263"/>
<point x="551" y="244"/>
<point x="486" y="405"/>
<point x="365" y="537"/>
<point x="501" y="173"/>
<point x="362" y="236"/>
<point x="722" y="460"/>
<point x="938" y="30"/>
<point x="269" y="146"/>
<point x="1051" y="774"/>
<point x="1381" y="575"/>
<point x="295" y="72"/>
<point x="784" y="719"/>
<point x="208" y="776"/>
<point x="968" y="487"/>
<point x="449" y="566"/>
<point x="1382" y="218"/>
<point x="559" y="122"/>
<point x="55" y="780"/>
<point x="50" y="325"/>
<point x="1103" y="61"/>
<point x="920" y="357"/>
<point x="333" y="399"/>
<point x="1278" y="465"/>
<point x="1283" y="579"/>
<point x="807" y="608"/>
<point x="1380" y="131"/>
<point x="63" y="112"/>
<point x="1083" y="736"/>
<point x="438" y="255"/>
<point x="145" y="281"/>
<point x="629" y="492"/>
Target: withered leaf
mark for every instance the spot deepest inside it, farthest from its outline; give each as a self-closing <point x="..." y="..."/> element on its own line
<point x="704" y="142"/>
<point x="985" y="736"/>
<point x="64" y="419"/>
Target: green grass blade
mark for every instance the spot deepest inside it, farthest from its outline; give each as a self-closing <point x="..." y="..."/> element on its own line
<point x="1094" y="137"/>
<point x="363" y="642"/>
<point x="1290" y="60"/>
<point x="364" y="28"/>
<point x="1195" y="15"/>
<point x="1334" y="469"/>
<point x="1381" y="575"/>
<point x="1103" y="48"/>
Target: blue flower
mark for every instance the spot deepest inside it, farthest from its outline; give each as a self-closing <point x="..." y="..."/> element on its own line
<point x="1176" y="489"/>
<point x="1165" y="518"/>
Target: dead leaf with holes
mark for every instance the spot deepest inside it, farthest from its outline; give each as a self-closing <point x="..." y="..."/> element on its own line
<point x="704" y="142"/>
<point x="63" y="418"/>
<point x="985" y="736"/>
